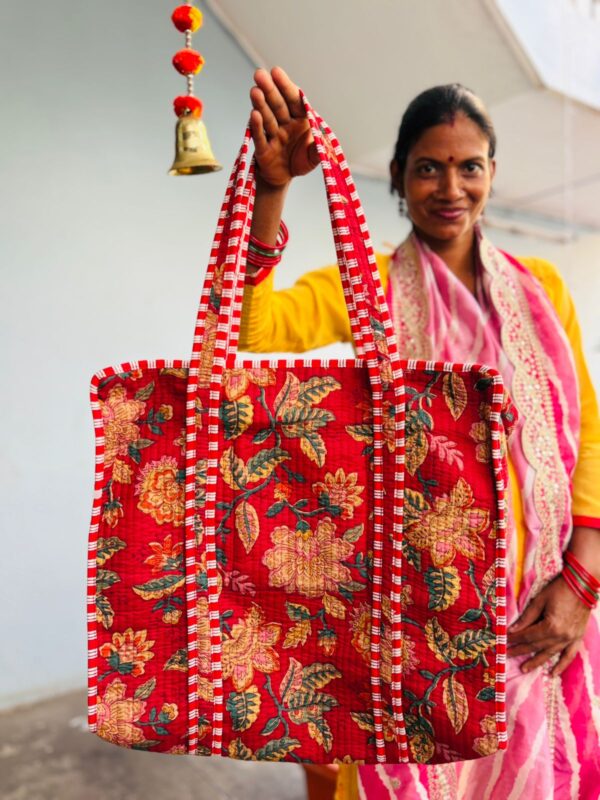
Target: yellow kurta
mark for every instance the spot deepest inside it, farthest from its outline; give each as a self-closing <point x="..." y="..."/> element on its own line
<point x="312" y="313"/>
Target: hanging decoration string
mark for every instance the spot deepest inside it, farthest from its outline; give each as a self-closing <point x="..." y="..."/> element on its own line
<point x="193" y="151"/>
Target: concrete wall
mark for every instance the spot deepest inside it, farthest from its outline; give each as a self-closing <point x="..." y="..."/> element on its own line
<point x="102" y="260"/>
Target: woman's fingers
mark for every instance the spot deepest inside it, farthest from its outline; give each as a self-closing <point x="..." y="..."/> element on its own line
<point x="289" y="91"/>
<point x="273" y="96"/>
<point x="567" y="656"/>
<point x="539" y="659"/>
<point x="258" y="132"/>
<point x="528" y="617"/>
<point x="270" y="124"/>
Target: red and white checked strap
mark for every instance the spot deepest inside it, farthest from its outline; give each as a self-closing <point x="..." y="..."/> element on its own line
<point x="227" y="222"/>
<point x="350" y="211"/>
<point x="366" y="304"/>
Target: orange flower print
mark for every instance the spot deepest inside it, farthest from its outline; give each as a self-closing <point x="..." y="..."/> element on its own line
<point x="180" y="440"/>
<point x="360" y="625"/>
<point x="422" y="747"/>
<point x="121" y="472"/>
<point x="236" y="381"/>
<point x="119" y="416"/>
<point x="169" y="711"/>
<point x="112" y="512"/>
<point x="327" y="641"/>
<point x="250" y="648"/>
<point x="166" y="412"/>
<point x="489" y="677"/>
<point x="128" y="652"/>
<point x="161" y="491"/>
<point x="171" y="616"/>
<point x="306" y="561"/>
<point x="409" y="658"/>
<point x="451" y="526"/>
<point x="488" y="743"/>
<point x="165" y="556"/>
<point x="117" y="716"/>
<point x="480" y="433"/>
<point x="340" y="490"/>
<point x="406" y="595"/>
<point x="282" y="491"/>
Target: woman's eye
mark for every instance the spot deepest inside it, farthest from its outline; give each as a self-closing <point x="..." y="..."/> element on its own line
<point x="426" y="169"/>
<point x="473" y="168"/>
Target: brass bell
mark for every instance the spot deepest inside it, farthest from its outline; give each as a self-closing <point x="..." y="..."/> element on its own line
<point x="193" y="153"/>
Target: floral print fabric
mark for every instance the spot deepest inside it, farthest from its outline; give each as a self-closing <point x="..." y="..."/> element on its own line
<point x="295" y="558"/>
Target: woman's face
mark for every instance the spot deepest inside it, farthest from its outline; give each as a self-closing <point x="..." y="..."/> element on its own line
<point x="447" y="180"/>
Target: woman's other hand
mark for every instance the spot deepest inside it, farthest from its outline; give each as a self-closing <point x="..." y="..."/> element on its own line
<point x="283" y="141"/>
<point x="554" y="622"/>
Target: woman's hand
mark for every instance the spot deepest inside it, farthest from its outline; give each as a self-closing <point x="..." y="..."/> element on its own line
<point x="283" y="141"/>
<point x="553" y="622"/>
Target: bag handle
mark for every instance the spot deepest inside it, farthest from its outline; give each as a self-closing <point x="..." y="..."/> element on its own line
<point x="214" y="349"/>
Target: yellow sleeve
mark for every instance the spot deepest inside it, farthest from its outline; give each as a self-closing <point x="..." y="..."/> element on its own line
<point x="586" y="481"/>
<point x="310" y="314"/>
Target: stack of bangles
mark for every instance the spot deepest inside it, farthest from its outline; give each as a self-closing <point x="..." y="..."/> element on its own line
<point x="579" y="580"/>
<point x="263" y="256"/>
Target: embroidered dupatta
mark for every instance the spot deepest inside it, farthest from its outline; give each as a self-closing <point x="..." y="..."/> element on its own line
<point x="509" y="323"/>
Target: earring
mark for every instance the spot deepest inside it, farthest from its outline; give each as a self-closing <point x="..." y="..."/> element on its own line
<point x="402" y="207"/>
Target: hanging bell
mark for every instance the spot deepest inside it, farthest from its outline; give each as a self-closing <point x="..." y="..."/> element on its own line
<point x="193" y="153"/>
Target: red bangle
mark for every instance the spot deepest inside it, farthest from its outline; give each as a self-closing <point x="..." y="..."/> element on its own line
<point x="577" y="567"/>
<point x="578" y="590"/>
<point x="267" y="255"/>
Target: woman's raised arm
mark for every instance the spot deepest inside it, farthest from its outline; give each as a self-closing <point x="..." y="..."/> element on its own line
<point x="283" y="144"/>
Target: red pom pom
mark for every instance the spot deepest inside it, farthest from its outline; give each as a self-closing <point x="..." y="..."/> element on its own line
<point x="185" y="104"/>
<point x="187" y="18"/>
<point x="188" y="62"/>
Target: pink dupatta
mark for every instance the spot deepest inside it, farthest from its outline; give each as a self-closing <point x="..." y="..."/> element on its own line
<point x="510" y="324"/>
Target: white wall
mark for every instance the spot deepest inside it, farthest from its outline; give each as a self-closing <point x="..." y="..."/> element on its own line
<point x="102" y="259"/>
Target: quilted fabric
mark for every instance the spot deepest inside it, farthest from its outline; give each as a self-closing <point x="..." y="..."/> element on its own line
<point x="298" y="561"/>
<point x="295" y="559"/>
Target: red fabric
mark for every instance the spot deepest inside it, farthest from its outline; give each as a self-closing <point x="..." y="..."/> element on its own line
<point x="586" y="522"/>
<point x="282" y="614"/>
<point x="258" y="277"/>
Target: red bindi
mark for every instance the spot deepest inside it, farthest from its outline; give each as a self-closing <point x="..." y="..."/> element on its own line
<point x="450" y="159"/>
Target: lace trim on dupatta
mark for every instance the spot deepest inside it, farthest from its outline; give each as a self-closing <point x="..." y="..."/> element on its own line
<point x="532" y="397"/>
<point x="409" y="302"/>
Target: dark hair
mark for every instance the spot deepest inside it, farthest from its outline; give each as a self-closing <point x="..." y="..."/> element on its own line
<point x="435" y="106"/>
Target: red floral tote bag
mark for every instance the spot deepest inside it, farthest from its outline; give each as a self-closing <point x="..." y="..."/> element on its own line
<point x="283" y="566"/>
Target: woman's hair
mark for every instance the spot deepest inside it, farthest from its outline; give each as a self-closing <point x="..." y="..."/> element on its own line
<point x="436" y="106"/>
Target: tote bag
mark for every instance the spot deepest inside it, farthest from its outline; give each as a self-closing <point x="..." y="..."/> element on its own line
<point x="298" y="560"/>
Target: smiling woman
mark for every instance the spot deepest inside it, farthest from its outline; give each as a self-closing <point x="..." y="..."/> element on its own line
<point x="456" y="297"/>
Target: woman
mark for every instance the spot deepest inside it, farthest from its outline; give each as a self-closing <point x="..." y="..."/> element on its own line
<point x="454" y="296"/>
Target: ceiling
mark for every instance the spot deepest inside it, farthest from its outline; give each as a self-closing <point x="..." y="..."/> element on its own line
<point x="361" y="63"/>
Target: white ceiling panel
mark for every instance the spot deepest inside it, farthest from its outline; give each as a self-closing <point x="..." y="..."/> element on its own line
<point x="361" y="63"/>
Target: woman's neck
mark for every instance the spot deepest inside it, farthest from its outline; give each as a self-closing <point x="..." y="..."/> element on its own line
<point x="457" y="254"/>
